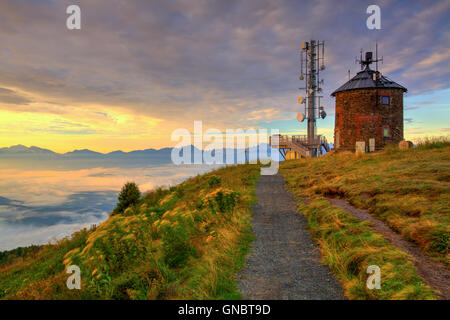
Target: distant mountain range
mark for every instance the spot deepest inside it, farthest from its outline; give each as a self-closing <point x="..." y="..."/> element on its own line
<point x="23" y="151"/>
<point x="20" y="154"/>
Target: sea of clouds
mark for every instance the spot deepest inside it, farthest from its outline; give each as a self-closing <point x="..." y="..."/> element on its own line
<point x="40" y="206"/>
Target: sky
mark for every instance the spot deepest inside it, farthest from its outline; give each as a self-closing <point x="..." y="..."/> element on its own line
<point x="138" y="70"/>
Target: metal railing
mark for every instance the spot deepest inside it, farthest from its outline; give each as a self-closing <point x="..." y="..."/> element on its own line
<point x="302" y="139"/>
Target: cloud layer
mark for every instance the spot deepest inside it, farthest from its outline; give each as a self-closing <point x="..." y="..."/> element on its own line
<point x="37" y="206"/>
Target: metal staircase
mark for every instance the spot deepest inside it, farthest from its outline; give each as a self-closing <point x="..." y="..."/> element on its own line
<point x="300" y="144"/>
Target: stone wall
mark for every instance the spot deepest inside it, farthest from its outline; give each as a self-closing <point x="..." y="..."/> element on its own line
<point x="361" y="116"/>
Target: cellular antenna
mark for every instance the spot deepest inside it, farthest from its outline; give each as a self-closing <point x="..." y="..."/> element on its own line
<point x="369" y="60"/>
<point x="376" y="57"/>
<point x="314" y="62"/>
<point x="360" y="59"/>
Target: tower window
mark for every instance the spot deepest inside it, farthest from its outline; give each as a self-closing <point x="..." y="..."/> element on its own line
<point x="385" y="100"/>
<point x="386" y="132"/>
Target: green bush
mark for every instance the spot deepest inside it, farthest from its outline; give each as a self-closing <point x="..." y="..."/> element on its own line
<point x="176" y="246"/>
<point x="179" y="191"/>
<point x="214" y="181"/>
<point x="433" y="143"/>
<point x="153" y="197"/>
<point x="440" y="241"/>
<point x="128" y="196"/>
<point x="8" y="256"/>
<point x="226" y="202"/>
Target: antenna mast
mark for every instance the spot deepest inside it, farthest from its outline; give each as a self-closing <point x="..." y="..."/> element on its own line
<point x="376" y="57"/>
<point x="314" y="63"/>
<point x="369" y="59"/>
<point x="360" y="59"/>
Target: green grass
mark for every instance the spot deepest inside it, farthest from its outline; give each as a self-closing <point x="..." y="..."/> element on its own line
<point x="186" y="242"/>
<point x="41" y="273"/>
<point x="433" y="143"/>
<point x="349" y="247"/>
<point x="409" y="190"/>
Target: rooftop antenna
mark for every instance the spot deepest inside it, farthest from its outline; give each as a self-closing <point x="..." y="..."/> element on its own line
<point x="376" y="56"/>
<point x="369" y="60"/>
<point x="360" y="59"/>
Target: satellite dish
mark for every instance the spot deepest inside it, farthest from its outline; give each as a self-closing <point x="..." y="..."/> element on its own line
<point x="300" y="117"/>
<point x="300" y="99"/>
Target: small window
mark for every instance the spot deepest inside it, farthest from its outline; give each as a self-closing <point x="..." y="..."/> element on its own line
<point x="385" y="100"/>
<point x="386" y="132"/>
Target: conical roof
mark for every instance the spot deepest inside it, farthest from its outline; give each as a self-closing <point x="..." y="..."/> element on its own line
<point x="365" y="80"/>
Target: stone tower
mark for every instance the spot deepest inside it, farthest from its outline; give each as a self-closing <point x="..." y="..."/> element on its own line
<point x="369" y="109"/>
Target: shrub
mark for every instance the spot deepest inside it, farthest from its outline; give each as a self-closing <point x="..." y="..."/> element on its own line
<point x="433" y="143"/>
<point x="176" y="246"/>
<point x="9" y="256"/>
<point x="440" y="240"/>
<point x="129" y="195"/>
<point x="179" y="191"/>
<point x="226" y="201"/>
<point x="153" y="197"/>
<point x="221" y="200"/>
<point x="214" y="181"/>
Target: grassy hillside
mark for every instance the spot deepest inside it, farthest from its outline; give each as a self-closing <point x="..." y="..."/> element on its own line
<point x="409" y="190"/>
<point x="185" y="242"/>
<point x="189" y="241"/>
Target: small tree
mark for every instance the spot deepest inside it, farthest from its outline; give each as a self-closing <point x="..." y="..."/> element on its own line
<point x="129" y="195"/>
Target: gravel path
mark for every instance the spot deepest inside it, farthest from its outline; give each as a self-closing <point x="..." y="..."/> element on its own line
<point x="284" y="262"/>
<point x="435" y="274"/>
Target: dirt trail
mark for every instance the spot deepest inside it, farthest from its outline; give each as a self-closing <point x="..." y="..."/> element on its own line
<point x="435" y="274"/>
<point x="284" y="262"/>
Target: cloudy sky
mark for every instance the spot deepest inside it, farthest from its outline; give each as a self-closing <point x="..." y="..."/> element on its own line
<point x="137" y="70"/>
